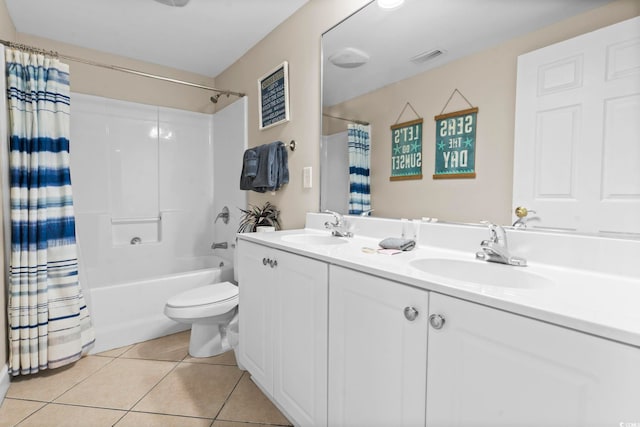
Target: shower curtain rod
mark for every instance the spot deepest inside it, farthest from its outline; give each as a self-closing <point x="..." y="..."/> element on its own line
<point x="118" y="68"/>
<point x="358" y="122"/>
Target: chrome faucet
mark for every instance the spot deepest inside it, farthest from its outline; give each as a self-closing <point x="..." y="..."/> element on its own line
<point x="495" y="249"/>
<point x="221" y="245"/>
<point x="339" y="227"/>
<point x="366" y="213"/>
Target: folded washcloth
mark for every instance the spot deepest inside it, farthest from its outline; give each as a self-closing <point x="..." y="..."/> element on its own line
<point x="397" y="243"/>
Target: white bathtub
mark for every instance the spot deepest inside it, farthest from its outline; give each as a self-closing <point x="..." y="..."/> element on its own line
<point x="127" y="313"/>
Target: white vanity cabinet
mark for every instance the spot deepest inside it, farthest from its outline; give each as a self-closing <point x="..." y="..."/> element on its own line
<point x="487" y="367"/>
<point x="283" y="324"/>
<point x="377" y="355"/>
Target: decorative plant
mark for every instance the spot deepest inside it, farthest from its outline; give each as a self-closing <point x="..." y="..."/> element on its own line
<point x="256" y="216"/>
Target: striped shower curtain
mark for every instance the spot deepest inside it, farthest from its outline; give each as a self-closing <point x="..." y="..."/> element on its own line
<point x="48" y="319"/>
<point x="359" y="165"/>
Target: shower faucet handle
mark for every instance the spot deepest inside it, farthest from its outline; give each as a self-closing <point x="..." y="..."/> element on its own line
<point x="224" y="214"/>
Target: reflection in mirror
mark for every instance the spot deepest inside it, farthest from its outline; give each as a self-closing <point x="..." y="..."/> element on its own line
<point x="377" y="60"/>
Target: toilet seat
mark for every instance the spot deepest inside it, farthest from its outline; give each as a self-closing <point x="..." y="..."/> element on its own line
<point x="203" y="301"/>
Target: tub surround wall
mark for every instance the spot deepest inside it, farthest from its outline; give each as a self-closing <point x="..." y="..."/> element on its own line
<point x="229" y="143"/>
<point x="148" y="172"/>
<point x="139" y="171"/>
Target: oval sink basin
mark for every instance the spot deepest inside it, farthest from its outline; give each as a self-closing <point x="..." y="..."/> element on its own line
<point x="314" y="239"/>
<point x="481" y="273"/>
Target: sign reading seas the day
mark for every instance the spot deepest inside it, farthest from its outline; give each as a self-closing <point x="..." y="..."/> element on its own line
<point x="406" y="150"/>
<point x="274" y="96"/>
<point x="456" y="144"/>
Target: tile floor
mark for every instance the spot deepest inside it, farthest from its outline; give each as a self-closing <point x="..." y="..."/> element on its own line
<point x="154" y="383"/>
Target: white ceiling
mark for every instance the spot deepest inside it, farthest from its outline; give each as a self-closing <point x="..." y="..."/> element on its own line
<point x="205" y="36"/>
<point x="459" y="27"/>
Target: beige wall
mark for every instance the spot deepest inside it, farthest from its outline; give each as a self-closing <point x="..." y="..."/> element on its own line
<point x="7" y="29"/>
<point x="93" y="80"/>
<point x="488" y="81"/>
<point x="297" y="41"/>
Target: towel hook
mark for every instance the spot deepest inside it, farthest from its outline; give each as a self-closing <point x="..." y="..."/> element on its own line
<point x="292" y="145"/>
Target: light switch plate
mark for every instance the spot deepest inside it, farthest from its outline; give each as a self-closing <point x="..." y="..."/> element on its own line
<point x="306" y="177"/>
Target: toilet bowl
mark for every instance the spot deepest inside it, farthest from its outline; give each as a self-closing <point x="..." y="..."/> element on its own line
<point x="209" y="309"/>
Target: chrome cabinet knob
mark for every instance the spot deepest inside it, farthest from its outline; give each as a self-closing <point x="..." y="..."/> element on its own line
<point x="410" y="313"/>
<point x="436" y="321"/>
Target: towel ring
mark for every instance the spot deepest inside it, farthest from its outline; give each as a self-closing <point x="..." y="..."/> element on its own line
<point x="292" y="145"/>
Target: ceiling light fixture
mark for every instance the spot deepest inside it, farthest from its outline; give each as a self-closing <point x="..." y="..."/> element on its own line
<point x="174" y="3"/>
<point x="349" y="57"/>
<point x="390" y="4"/>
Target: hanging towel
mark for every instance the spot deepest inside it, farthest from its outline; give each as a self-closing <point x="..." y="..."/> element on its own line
<point x="246" y="179"/>
<point x="250" y="165"/>
<point x="265" y="168"/>
<point x="283" y="166"/>
<point x="266" y="175"/>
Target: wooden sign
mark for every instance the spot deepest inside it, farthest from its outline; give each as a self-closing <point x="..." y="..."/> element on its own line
<point x="406" y="150"/>
<point x="456" y="144"/>
<point x="273" y="88"/>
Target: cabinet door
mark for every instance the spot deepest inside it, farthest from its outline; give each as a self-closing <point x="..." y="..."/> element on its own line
<point x="492" y="368"/>
<point x="300" y="338"/>
<point x="256" y="287"/>
<point x="377" y="357"/>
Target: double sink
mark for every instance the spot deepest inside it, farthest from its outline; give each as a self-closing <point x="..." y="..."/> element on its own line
<point x="474" y="272"/>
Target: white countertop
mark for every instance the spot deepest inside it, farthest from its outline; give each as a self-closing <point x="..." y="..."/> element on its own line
<point x="602" y="304"/>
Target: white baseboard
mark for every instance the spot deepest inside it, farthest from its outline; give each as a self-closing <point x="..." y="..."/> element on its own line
<point x="4" y="382"/>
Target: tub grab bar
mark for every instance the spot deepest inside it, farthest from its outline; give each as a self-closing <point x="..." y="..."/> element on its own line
<point x="135" y="220"/>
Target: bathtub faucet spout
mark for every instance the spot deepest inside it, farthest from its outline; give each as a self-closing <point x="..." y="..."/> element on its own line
<point x="222" y="245"/>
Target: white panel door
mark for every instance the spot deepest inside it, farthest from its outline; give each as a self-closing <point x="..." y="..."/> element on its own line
<point x="492" y="368"/>
<point x="377" y="357"/>
<point x="300" y="338"/>
<point x="577" y="132"/>
<point x="256" y="287"/>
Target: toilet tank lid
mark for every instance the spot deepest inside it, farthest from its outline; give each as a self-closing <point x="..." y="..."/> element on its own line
<point x="208" y="294"/>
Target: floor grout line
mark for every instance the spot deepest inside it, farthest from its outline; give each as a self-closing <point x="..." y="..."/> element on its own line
<point x="228" y="396"/>
<point x="177" y="363"/>
<point x="124" y="412"/>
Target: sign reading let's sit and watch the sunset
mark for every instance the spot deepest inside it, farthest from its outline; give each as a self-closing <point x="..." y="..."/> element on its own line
<point x="406" y="150"/>
<point x="456" y="144"/>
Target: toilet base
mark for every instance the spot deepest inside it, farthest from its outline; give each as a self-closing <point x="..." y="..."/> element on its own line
<point x="206" y="341"/>
<point x="210" y="339"/>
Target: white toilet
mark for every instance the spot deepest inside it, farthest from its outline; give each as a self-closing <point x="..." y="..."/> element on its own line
<point x="209" y="309"/>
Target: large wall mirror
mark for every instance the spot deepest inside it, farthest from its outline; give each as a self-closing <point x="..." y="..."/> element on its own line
<point x="378" y="62"/>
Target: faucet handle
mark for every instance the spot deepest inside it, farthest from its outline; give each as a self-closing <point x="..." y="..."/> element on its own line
<point x="336" y="215"/>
